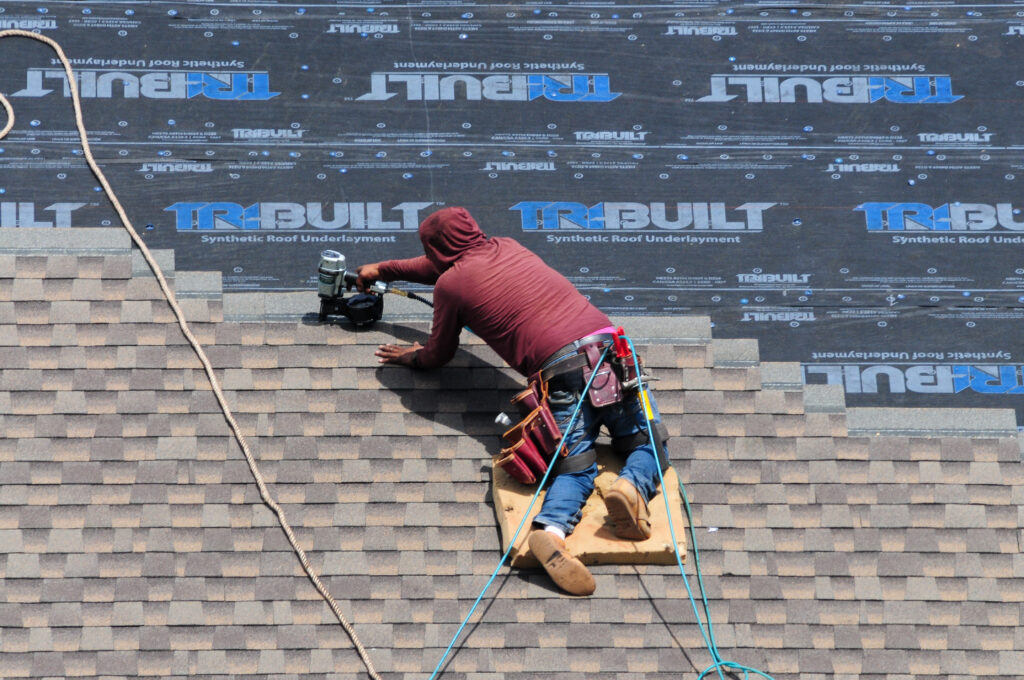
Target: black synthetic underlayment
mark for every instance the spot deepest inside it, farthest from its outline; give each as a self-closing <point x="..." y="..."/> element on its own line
<point x="840" y="182"/>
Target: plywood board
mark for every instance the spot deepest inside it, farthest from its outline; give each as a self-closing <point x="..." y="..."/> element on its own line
<point x="593" y="541"/>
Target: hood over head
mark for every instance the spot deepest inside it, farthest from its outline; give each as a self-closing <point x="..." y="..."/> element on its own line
<point x="447" y="234"/>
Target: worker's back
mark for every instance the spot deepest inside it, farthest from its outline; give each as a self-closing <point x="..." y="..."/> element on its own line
<point x="520" y="306"/>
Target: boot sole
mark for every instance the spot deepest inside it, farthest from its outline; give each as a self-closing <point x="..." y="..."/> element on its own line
<point x="624" y="524"/>
<point x="566" y="571"/>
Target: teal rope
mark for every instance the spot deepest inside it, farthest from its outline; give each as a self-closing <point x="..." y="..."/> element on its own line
<point x="511" y="543"/>
<point x="709" y="634"/>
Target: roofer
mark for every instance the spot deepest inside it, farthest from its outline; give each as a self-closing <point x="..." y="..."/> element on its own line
<point x="537" y="321"/>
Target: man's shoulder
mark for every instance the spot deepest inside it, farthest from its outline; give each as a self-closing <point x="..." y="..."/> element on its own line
<point x="498" y="250"/>
<point x="503" y="256"/>
<point x="508" y="241"/>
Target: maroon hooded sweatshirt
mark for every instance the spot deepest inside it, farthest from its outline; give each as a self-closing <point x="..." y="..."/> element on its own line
<point x="522" y="308"/>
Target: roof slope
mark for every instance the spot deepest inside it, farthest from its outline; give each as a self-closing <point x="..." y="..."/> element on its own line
<point x="871" y="543"/>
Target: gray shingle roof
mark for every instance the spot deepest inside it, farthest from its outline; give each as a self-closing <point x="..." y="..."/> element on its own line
<point x="873" y="543"/>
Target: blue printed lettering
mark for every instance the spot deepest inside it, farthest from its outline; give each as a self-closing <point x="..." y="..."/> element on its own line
<point x="631" y="216"/>
<point x="956" y="216"/>
<point x="204" y="216"/>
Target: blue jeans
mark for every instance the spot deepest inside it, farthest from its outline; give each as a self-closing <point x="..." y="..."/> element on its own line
<point x="567" y="493"/>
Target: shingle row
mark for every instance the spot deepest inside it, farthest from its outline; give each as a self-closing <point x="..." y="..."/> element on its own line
<point x="134" y="542"/>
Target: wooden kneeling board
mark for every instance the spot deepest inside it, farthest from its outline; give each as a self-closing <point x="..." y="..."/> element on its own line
<point x="593" y="541"/>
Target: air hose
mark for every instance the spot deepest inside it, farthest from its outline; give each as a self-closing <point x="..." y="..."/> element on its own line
<point x="706" y="630"/>
<point x="522" y="522"/>
<point x="412" y="296"/>
<point x="708" y="634"/>
<point x="265" y="495"/>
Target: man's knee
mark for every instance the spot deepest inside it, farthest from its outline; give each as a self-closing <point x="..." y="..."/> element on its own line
<point x="629" y="443"/>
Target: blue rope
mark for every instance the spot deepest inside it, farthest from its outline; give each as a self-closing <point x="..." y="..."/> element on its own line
<point x="709" y="634"/>
<point x="511" y="543"/>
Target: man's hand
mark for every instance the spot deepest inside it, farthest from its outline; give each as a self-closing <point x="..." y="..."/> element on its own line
<point x="368" y="273"/>
<point x="394" y="354"/>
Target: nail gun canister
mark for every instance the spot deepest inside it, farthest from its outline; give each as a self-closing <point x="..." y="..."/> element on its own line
<point x="332" y="265"/>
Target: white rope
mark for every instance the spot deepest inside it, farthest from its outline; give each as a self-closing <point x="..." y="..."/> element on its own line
<point x="180" y="315"/>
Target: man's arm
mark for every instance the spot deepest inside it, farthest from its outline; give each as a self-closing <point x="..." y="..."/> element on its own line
<point x="366" y="275"/>
<point x="415" y="269"/>
<point x="395" y="354"/>
<point x="443" y="341"/>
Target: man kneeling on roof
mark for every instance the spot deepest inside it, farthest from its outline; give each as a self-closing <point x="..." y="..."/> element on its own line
<point x="537" y="321"/>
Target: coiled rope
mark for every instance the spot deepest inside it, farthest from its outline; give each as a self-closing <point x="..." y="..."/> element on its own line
<point x="268" y="499"/>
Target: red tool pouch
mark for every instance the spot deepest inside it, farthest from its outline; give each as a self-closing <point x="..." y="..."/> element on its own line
<point x="605" y="388"/>
<point x="528" y="400"/>
<point x="534" y="439"/>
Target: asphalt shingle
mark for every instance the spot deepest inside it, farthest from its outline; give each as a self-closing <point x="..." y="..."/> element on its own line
<point x="134" y="541"/>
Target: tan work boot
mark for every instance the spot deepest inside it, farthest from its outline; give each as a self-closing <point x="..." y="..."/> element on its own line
<point x="566" y="571"/>
<point x="627" y="511"/>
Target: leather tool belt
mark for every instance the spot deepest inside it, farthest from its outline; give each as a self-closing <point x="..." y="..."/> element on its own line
<point x="586" y="353"/>
<point x="532" y="442"/>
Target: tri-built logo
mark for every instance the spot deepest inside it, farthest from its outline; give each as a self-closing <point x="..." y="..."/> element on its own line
<point x="203" y="216"/>
<point x="612" y="136"/>
<point x="520" y="166"/>
<point x="28" y="24"/>
<point x="267" y="133"/>
<point x="136" y="83"/>
<point x="27" y="214"/>
<point x="955" y="137"/>
<point x="957" y="216"/>
<point x="610" y="215"/>
<point x="862" y="167"/>
<point x="762" y="279"/>
<point x="920" y="379"/>
<point x="183" y="166"/>
<point x="712" y="30"/>
<point x="815" y="89"/>
<point x="517" y="87"/>
<point x="790" y="316"/>
<point x="361" y="27"/>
